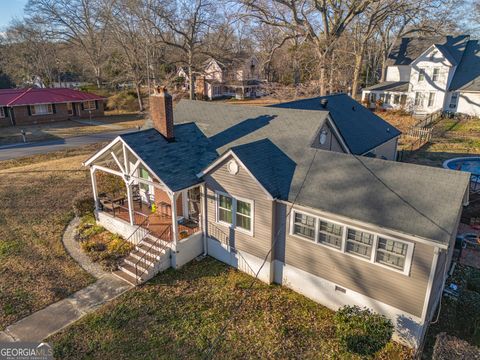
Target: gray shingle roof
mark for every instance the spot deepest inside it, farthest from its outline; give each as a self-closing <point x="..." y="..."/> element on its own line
<point x="401" y="86"/>
<point x="467" y="74"/>
<point x="412" y="199"/>
<point x="359" y="127"/>
<point x="175" y="163"/>
<point x="275" y="145"/>
<point x="407" y="49"/>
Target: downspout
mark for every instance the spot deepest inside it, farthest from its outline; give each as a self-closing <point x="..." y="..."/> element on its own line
<point x="204" y="219"/>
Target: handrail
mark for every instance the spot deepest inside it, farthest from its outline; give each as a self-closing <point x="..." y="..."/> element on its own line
<point x="142" y="258"/>
<point x="218" y="230"/>
<point x="141" y="225"/>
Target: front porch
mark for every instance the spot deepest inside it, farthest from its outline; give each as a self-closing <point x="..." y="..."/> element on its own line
<point x="158" y="223"/>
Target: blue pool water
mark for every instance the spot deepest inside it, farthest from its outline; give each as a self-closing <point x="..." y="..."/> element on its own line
<point x="470" y="164"/>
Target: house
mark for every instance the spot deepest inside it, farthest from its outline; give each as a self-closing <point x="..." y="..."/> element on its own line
<point x="429" y="75"/>
<point x="39" y="105"/>
<point x="251" y="187"/>
<point x="239" y="78"/>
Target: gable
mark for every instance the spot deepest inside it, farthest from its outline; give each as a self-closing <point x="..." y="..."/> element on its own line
<point x="242" y="183"/>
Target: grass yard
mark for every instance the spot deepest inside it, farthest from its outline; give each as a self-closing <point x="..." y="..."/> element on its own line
<point x="179" y="313"/>
<point x="36" y="194"/>
<point x="66" y="129"/>
<point x="451" y="138"/>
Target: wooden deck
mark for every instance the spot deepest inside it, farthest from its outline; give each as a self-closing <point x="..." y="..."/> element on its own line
<point x="157" y="223"/>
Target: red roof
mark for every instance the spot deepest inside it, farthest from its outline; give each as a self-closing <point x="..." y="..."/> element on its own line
<point x="31" y="96"/>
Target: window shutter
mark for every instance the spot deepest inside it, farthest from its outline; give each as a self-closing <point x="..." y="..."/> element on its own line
<point x="83" y="107"/>
<point x="29" y="108"/>
<point x="54" y="109"/>
<point x="96" y="104"/>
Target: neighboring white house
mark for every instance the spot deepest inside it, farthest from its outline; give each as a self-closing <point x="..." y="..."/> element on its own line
<point x="239" y="78"/>
<point x="429" y="75"/>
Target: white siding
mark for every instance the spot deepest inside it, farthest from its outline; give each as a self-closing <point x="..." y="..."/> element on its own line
<point x="398" y="73"/>
<point x="469" y="103"/>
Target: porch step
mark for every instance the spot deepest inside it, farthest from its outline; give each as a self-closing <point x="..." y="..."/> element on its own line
<point x="145" y="256"/>
<point x="130" y="270"/>
<point x="152" y="252"/>
<point x="126" y="277"/>
<point x="154" y="243"/>
<point x="142" y="266"/>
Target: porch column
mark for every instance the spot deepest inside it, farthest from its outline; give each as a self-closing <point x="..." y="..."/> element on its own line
<point x="174" y="221"/>
<point x="130" y="203"/>
<point x="94" y="187"/>
<point x="203" y="217"/>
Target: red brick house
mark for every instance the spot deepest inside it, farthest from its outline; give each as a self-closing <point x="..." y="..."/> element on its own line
<point x="35" y="105"/>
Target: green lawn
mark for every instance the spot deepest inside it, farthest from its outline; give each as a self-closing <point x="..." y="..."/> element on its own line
<point x="180" y="312"/>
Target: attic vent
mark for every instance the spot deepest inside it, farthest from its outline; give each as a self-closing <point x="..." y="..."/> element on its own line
<point x="232" y="167"/>
<point x="342" y="290"/>
<point x="324" y="103"/>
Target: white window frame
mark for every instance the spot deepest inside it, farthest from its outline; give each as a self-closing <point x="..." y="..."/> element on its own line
<point x="88" y="108"/>
<point x="431" y="99"/>
<point x="421" y="75"/>
<point x="34" y="112"/>
<point x="436" y="77"/>
<point x="345" y="228"/>
<point x="2" y="112"/>
<point x="233" y="225"/>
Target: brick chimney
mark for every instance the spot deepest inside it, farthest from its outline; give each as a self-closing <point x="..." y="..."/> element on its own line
<point x="161" y="112"/>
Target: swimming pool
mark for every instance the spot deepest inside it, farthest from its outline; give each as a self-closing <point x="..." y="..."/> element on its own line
<point x="470" y="164"/>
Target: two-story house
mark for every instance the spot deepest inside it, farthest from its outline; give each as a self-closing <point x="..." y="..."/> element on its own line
<point x="239" y="78"/>
<point x="429" y="75"/>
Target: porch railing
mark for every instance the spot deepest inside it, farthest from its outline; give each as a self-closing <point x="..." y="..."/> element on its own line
<point x="160" y="245"/>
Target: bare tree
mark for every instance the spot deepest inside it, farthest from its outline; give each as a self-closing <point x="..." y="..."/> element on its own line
<point x="320" y="22"/>
<point x="184" y="25"/>
<point x="79" y="22"/>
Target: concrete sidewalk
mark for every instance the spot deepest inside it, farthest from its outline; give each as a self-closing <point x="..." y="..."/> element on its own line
<point x="57" y="316"/>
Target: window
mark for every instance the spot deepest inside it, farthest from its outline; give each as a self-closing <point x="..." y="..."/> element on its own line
<point x="373" y="248"/>
<point x="396" y="99"/>
<point x="2" y="112"/>
<point x="89" y="105"/>
<point x="387" y="98"/>
<point x="421" y="75"/>
<point x="382" y="97"/>
<point x="431" y="99"/>
<point x="403" y="99"/>
<point x="392" y="253"/>
<point x="41" y="109"/>
<point x="144" y="175"/>
<point x="225" y="209"/>
<point x="436" y="74"/>
<point x="244" y="215"/>
<point x="330" y="234"/>
<point x="70" y="108"/>
<point x="359" y="243"/>
<point x="418" y="99"/>
<point x="304" y="226"/>
<point x="235" y="212"/>
<point x="373" y="97"/>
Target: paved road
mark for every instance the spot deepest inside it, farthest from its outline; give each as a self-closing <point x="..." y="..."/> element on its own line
<point x="20" y="150"/>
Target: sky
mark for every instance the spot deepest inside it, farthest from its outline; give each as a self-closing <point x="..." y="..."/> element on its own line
<point x="10" y="9"/>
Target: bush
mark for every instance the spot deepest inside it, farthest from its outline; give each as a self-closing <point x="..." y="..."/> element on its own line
<point x="83" y="205"/>
<point x="93" y="245"/>
<point x="362" y="331"/>
<point x="125" y="100"/>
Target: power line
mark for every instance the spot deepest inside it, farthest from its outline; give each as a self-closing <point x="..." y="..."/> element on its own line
<point x="210" y="350"/>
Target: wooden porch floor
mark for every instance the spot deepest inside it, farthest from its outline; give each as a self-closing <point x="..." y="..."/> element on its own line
<point x="157" y="223"/>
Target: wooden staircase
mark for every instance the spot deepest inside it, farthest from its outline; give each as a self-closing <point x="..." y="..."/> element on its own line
<point x="150" y="256"/>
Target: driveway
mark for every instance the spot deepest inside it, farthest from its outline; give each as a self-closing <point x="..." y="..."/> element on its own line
<point x="8" y="152"/>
